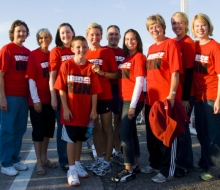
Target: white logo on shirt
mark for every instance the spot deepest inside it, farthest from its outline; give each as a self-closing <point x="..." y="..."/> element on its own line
<point x="96" y="61"/>
<point x="126" y="65"/>
<point x="44" y="64"/>
<point x="78" y="79"/>
<point x="66" y="57"/>
<point x="21" y="58"/>
<point x="158" y="55"/>
<point x="119" y="58"/>
<point x="202" y="58"/>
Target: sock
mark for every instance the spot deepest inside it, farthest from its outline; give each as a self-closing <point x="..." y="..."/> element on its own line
<point x="101" y="159"/>
<point x="72" y="167"/>
<point x="77" y="163"/>
<point x="135" y="166"/>
<point x="107" y="163"/>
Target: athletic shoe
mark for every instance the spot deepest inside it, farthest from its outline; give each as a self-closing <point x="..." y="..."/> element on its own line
<point x="179" y="172"/>
<point x="207" y="177"/>
<point x="159" y="178"/>
<point x="81" y="172"/>
<point x="94" y="165"/>
<point x="102" y="170"/>
<point x="20" y="166"/>
<point x="10" y="171"/>
<point x="198" y="168"/>
<point x="72" y="178"/>
<point x="118" y="159"/>
<point x="124" y="176"/>
<point x="148" y="169"/>
<point x="136" y="169"/>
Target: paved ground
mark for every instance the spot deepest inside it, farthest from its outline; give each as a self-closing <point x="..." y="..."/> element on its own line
<point x="56" y="179"/>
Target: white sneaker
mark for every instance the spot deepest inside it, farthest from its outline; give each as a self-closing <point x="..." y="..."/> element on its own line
<point x="160" y="178"/>
<point x="72" y="178"/>
<point x="81" y="172"/>
<point x="20" y="166"/>
<point x="148" y="169"/>
<point x="10" y="171"/>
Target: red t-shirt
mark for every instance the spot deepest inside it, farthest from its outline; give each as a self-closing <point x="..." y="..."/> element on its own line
<point x="206" y="69"/>
<point x="132" y="67"/>
<point x="13" y="62"/>
<point x="105" y="58"/>
<point x="162" y="61"/>
<point x="80" y="83"/>
<point x="188" y="52"/>
<point x="119" y="57"/>
<point x="38" y="71"/>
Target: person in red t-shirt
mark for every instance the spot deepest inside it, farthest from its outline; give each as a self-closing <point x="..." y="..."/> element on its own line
<point x="78" y="86"/>
<point x="184" y="158"/>
<point x="162" y="70"/>
<point x="113" y="36"/>
<point x="131" y="82"/>
<point x="207" y="88"/>
<point x="105" y="67"/>
<point x="13" y="98"/>
<point x="41" y="112"/>
<point x="58" y="55"/>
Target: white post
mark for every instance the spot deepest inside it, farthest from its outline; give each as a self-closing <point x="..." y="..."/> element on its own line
<point x="184" y="6"/>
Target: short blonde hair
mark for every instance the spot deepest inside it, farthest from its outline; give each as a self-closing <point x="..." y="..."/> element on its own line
<point x="205" y="19"/>
<point x="184" y="18"/>
<point x="41" y="31"/>
<point x="155" y="19"/>
<point x="93" y="25"/>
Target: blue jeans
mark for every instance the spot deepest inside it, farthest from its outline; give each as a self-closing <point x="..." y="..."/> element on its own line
<point x="13" y="125"/>
<point x="184" y="158"/>
<point x="128" y="133"/>
<point x="61" y="144"/>
<point x="208" y="134"/>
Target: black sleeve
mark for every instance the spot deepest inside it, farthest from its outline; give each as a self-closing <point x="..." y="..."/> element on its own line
<point x="187" y="84"/>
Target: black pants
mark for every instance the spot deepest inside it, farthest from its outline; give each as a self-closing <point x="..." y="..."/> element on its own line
<point x="161" y="157"/>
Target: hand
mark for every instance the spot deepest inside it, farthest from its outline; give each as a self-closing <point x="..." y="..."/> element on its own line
<point x="131" y="113"/>
<point x="171" y="99"/>
<point x="96" y="68"/>
<point x="38" y="107"/>
<point x="216" y="107"/>
<point x="54" y="103"/>
<point x="3" y="105"/>
<point x="93" y="115"/>
<point x="67" y="114"/>
<point x="186" y="105"/>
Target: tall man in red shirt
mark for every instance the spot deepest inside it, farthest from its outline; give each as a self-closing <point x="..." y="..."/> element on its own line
<point x="113" y="36"/>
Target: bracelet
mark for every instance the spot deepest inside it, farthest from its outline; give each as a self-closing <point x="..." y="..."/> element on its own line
<point x="173" y="93"/>
<point x="104" y="74"/>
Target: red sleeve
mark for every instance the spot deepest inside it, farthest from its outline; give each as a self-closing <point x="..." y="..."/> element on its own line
<point x="216" y="55"/>
<point x="112" y="64"/>
<point x="175" y="61"/>
<point x="96" y="86"/>
<point x="31" y="71"/>
<point x="61" y="80"/>
<point x="139" y="65"/>
<point x="189" y="55"/>
<point x="55" y="60"/>
<point x="5" y="59"/>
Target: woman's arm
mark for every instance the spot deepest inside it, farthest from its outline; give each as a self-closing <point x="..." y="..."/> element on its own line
<point x="34" y="95"/>
<point x="3" y="101"/>
<point x="93" y="114"/>
<point x="217" y="101"/>
<point x="109" y="75"/>
<point x="52" y="79"/>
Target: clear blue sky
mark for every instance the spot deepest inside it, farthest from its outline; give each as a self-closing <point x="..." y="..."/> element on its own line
<point x="124" y="13"/>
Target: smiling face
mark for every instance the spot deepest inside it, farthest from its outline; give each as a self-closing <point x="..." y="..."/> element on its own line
<point x="156" y="31"/>
<point x="44" y="40"/>
<point x="20" y="34"/>
<point x="113" y="36"/>
<point x="131" y="42"/>
<point x="66" y="35"/>
<point x="201" y="29"/>
<point x="178" y="26"/>
<point x="94" y="37"/>
<point x="79" y="48"/>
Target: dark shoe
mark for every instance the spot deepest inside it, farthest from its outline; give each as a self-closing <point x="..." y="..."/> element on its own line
<point x="136" y="169"/>
<point x="198" y="168"/>
<point x="124" y="176"/>
<point x="179" y="172"/>
<point x="65" y="168"/>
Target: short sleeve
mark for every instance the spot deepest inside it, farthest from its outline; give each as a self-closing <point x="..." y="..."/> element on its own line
<point x="55" y="60"/>
<point x="5" y="59"/>
<point x="139" y="65"/>
<point x="31" y="71"/>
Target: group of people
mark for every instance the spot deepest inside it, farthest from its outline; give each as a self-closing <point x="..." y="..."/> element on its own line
<point x="78" y="85"/>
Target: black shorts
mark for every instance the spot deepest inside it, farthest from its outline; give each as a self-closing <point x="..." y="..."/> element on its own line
<point x="104" y="106"/>
<point x="43" y="123"/>
<point x="116" y="99"/>
<point x="72" y="134"/>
